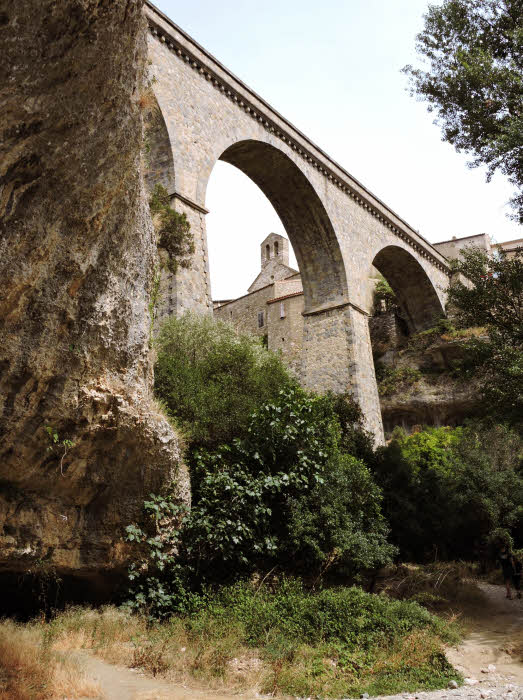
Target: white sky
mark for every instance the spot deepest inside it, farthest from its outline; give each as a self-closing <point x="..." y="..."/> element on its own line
<point x="333" y="69"/>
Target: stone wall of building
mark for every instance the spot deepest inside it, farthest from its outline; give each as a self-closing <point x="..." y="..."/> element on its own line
<point x="452" y="248"/>
<point x="285" y="329"/>
<point x="244" y="312"/>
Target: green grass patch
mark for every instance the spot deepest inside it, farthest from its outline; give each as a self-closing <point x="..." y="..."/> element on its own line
<point x="337" y="642"/>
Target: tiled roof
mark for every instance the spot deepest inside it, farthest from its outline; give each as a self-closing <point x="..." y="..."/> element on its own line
<point x="286" y="296"/>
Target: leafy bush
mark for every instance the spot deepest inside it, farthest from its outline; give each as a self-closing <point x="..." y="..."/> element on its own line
<point x="445" y="490"/>
<point x="336" y="642"/>
<point x="285" y="495"/>
<point x="384" y="296"/>
<point x="494" y="301"/>
<point x="211" y="378"/>
<point x="341" y="614"/>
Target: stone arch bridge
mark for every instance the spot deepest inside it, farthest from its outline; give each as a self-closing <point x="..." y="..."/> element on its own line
<point x="338" y="228"/>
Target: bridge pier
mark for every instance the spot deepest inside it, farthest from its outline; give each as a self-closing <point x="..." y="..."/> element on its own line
<point x="337" y="356"/>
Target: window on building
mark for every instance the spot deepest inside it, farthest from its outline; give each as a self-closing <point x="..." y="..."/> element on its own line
<point x="267" y="251"/>
<point x="260" y="319"/>
<point x="282" y="309"/>
<point x="275" y="248"/>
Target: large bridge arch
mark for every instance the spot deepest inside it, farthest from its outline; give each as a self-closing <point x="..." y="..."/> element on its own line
<point x="337" y="226"/>
<point x="303" y="215"/>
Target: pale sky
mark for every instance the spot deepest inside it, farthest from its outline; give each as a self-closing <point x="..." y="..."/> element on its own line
<point x="332" y="68"/>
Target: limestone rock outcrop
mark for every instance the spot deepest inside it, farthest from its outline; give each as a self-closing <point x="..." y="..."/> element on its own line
<point x="429" y="392"/>
<point x="81" y="440"/>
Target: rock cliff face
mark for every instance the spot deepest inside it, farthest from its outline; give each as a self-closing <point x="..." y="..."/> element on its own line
<point x="77" y="253"/>
<point x="418" y="385"/>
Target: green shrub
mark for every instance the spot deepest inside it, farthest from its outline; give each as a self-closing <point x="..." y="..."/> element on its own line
<point x="287" y="495"/>
<point x="335" y="642"/>
<point x="445" y="490"/>
<point x="383" y="292"/>
<point x="347" y="615"/>
<point x="494" y="301"/>
<point x="211" y="378"/>
<point x="172" y="229"/>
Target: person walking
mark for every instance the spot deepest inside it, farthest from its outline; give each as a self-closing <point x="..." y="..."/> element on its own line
<point x="506" y="559"/>
<point x="516" y="578"/>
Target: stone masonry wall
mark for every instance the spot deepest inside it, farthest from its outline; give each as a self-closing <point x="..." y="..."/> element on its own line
<point x="243" y="312"/>
<point x="286" y="332"/>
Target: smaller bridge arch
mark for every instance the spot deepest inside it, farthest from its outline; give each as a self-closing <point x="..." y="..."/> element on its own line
<point x="413" y="288"/>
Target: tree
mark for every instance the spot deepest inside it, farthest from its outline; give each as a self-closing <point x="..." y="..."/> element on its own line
<point x="475" y="82"/>
<point x="383" y="292"/>
<point x="212" y="378"/>
<point x="495" y="301"/>
<point x="446" y="490"/>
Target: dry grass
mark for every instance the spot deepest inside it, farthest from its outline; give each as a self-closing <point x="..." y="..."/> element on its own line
<point x="211" y="651"/>
<point x="147" y="102"/>
<point x="440" y="587"/>
<point x="465" y="333"/>
<point x="31" y="670"/>
<point x="212" y="656"/>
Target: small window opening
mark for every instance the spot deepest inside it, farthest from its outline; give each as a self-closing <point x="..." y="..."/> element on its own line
<point x="260" y="319"/>
<point x="267" y="251"/>
<point x="275" y="249"/>
<point x="282" y="309"/>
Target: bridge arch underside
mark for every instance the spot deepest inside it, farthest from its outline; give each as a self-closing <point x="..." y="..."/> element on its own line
<point x="303" y="215"/>
<point x="415" y="292"/>
<point x="159" y="160"/>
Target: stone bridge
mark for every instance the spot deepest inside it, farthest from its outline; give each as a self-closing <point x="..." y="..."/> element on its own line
<point x="337" y="228"/>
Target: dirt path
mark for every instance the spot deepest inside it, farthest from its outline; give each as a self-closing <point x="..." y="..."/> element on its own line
<point x="495" y="638"/>
<point x="491" y="657"/>
<point x="121" y="683"/>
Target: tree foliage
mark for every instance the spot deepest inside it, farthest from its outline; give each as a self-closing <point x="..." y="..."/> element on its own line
<point x="493" y="298"/>
<point x="446" y="490"/>
<point x="474" y="81"/>
<point x="211" y="378"/>
<point x="383" y="292"/>
<point x="287" y="494"/>
<point x="283" y="495"/>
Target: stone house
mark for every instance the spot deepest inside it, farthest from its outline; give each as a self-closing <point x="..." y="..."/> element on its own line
<point x="272" y="308"/>
<point x="452" y="248"/>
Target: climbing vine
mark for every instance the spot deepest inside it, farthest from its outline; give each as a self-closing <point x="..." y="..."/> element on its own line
<point x="172" y="229"/>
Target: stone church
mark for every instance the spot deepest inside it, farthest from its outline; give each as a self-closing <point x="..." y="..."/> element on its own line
<point x="273" y="306"/>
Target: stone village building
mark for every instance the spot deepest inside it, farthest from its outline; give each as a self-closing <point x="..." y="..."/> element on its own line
<point x="273" y="306"/>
